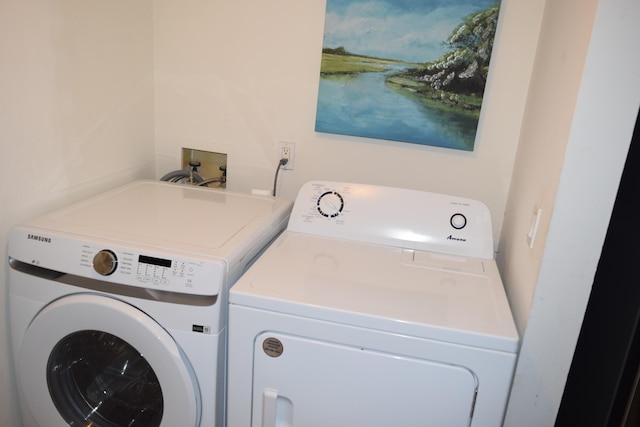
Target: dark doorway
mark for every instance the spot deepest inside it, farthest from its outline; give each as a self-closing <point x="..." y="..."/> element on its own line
<point x="601" y="385"/>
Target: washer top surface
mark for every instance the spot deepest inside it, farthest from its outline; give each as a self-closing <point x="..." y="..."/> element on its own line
<point x="167" y="215"/>
<point x="389" y="259"/>
<point x="153" y="235"/>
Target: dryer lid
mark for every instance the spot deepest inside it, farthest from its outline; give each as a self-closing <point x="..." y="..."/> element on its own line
<point x="428" y="295"/>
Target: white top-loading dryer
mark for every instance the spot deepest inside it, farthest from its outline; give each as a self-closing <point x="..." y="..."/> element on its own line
<point x="376" y="307"/>
<point x="118" y="304"/>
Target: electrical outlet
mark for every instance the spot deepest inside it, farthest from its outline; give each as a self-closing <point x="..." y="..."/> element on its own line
<point x="287" y="150"/>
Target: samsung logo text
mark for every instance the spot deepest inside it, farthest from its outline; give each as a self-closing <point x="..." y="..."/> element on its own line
<point x="39" y="238"/>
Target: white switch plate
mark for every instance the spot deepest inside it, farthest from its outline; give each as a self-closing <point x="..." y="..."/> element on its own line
<point x="535" y="222"/>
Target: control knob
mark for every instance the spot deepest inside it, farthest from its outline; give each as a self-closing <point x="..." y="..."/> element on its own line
<point x="105" y="262"/>
<point x="330" y="204"/>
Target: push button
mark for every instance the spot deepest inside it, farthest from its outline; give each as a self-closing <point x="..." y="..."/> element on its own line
<point x="458" y="221"/>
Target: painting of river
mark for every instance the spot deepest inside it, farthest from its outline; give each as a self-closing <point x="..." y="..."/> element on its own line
<point x="406" y="70"/>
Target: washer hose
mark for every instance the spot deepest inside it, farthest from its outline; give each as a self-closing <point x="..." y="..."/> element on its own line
<point x="179" y="174"/>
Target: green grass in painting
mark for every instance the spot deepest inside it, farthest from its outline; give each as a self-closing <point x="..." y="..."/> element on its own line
<point x="352" y="64"/>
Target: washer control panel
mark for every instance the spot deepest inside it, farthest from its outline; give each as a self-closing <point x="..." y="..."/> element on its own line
<point x="128" y="266"/>
<point x="405" y="218"/>
<point x="149" y="270"/>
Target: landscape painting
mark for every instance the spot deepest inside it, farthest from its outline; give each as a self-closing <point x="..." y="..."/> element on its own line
<point x="406" y="70"/>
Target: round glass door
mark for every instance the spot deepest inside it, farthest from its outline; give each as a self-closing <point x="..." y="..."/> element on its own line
<point x="98" y="379"/>
<point x="94" y="360"/>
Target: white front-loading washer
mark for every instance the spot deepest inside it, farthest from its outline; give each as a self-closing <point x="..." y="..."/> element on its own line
<point x="118" y="304"/>
<point x="376" y="307"/>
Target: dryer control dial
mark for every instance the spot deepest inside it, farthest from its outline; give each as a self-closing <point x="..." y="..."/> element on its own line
<point x="330" y="204"/>
<point x="105" y="262"/>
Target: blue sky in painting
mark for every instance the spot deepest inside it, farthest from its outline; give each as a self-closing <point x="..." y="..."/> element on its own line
<point x="410" y="30"/>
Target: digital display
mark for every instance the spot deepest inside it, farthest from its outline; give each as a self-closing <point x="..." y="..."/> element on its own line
<point x="154" y="261"/>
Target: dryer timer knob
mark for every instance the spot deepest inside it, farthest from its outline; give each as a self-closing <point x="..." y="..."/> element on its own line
<point x="105" y="262"/>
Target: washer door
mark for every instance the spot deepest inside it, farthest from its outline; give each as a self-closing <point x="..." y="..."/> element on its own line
<point x="94" y="360"/>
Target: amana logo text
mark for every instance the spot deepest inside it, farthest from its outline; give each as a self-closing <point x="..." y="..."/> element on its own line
<point x="456" y="239"/>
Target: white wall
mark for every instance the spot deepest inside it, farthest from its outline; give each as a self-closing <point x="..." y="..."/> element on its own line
<point x="597" y="134"/>
<point x="76" y="115"/>
<point x="237" y="77"/>
<point x="557" y="73"/>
